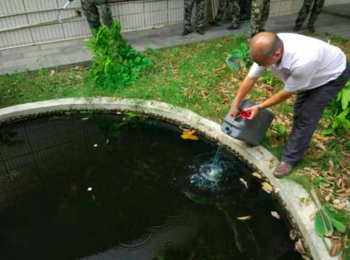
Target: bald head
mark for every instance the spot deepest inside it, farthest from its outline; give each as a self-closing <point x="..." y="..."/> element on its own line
<point x="264" y="45"/>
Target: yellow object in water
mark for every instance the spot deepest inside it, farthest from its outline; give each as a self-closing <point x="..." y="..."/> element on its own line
<point x="190" y="137"/>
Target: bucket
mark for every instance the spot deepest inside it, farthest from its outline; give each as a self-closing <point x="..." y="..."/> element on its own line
<point x="234" y="61"/>
<point x="249" y="131"/>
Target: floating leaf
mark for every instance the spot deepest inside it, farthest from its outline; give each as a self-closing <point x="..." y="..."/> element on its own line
<point x="244" y="218"/>
<point x="293" y="234"/>
<point x="190" y="137"/>
<point x="257" y="175"/>
<point x="275" y="214"/>
<point x="267" y="187"/>
<point x="300" y="247"/>
<point x="244" y="182"/>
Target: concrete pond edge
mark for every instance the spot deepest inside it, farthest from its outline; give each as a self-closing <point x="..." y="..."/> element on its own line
<point x="290" y="193"/>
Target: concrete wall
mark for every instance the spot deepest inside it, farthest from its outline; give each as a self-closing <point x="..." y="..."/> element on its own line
<point x="133" y="15"/>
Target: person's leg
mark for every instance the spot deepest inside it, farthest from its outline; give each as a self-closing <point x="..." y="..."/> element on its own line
<point x="235" y="11"/>
<point x="265" y="14"/>
<point x="188" y="13"/>
<point x="105" y="12"/>
<point x="255" y="18"/>
<point x="199" y="16"/>
<point x="221" y="10"/>
<point x="91" y="12"/>
<point x="307" y="113"/>
<point x="315" y="12"/>
<point x="303" y="13"/>
<point x="187" y="16"/>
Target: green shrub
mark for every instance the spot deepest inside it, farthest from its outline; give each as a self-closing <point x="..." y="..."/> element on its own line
<point x="116" y="64"/>
<point x="243" y="53"/>
<point x="340" y="111"/>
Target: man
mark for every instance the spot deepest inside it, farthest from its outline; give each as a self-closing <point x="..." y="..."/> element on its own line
<point x="235" y="11"/>
<point x="304" y="12"/>
<point x="91" y="8"/>
<point x="199" y="16"/>
<point x="313" y="69"/>
<point x="259" y="13"/>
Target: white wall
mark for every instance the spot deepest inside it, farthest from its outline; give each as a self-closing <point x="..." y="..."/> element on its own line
<point x="134" y="15"/>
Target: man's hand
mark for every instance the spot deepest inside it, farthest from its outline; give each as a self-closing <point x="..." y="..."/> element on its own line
<point x="253" y="111"/>
<point x="234" y="112"/>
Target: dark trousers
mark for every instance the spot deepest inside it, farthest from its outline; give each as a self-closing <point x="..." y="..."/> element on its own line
<point x="308" y="110"/>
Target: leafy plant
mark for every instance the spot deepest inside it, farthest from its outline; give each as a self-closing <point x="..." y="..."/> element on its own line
<point x="279" y="130"/>
<point x="243" y="54"/>
<point x="269" y="78"/>
<point x="325" y="221"/>
<point x="320" y="180"/>
<point x="116" y="63"/>
<point x="340" y="111"/>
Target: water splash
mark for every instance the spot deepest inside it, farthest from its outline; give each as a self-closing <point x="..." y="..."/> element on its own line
<point x="213" y="172"/>
<point x="217" y="157"/>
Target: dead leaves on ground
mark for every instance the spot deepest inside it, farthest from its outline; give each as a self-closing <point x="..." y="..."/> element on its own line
<point x="336" y="246"/>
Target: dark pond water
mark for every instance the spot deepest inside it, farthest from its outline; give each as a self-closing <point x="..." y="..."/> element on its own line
<point x="126" y="187"/>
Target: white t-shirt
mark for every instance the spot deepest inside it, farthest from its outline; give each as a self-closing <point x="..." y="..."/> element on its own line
<point x="307" y="63"/>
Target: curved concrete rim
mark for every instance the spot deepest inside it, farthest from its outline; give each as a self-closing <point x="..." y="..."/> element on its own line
<point x="258" y="157"/>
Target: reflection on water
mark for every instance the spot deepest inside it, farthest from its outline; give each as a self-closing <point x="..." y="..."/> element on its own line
<point x="128" y="188"/>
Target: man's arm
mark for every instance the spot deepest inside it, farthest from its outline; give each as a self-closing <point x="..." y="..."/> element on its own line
<point x="247" y="84"/>
<point x="272" y="101"/>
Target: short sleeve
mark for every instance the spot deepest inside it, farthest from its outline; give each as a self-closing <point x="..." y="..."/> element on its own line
<point x="300" y="77"/>
<point x="256" y="71"/>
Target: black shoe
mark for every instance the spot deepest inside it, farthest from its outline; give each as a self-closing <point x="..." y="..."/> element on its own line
<point x="296" y="28"/>
<point x="200" y="31"/>
<point x="231" y="27"/>
<point x="311" y="28"/>
<point x="185" y="32"/>
<point x="214" y="23"/>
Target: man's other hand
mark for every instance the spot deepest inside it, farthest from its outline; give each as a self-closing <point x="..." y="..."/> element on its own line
<point x="253" y="111"/>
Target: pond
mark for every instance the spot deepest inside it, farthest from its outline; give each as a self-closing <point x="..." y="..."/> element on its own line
<point x="123" y="186"/>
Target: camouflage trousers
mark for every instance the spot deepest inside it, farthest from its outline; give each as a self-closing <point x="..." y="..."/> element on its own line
<point x="246" y="6"/>
<point x="199" y="13"/>
<point x="305" y="10"/>
<point x="234" y="8"/>
<point x="93" y="9"/>
<point x="259" y="14"/>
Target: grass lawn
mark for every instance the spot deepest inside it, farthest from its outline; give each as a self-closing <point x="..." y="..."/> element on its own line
<point x="196" y="77"/>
